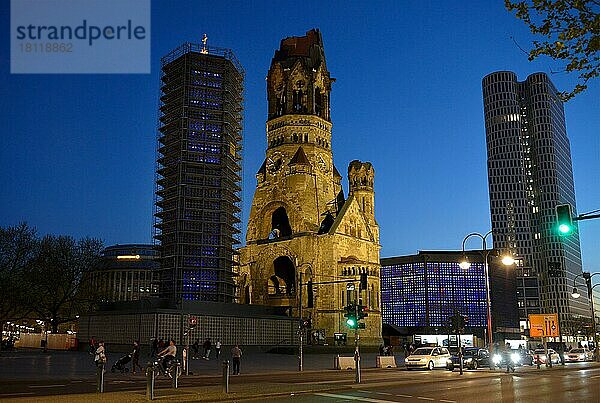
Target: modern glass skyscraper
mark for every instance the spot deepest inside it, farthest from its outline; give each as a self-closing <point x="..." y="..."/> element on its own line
<point x="198" y="172"/>
<point x="529" y="174"/>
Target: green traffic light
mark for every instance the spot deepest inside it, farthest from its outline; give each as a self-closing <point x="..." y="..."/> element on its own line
<point x="564" y="228"/>
<point x="351" y="322"/>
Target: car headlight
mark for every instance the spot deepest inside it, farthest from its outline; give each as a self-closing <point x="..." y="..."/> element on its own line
<point x="497" y="359"/>
<point x="406" y="360"/>
<point x="582" y="356"/>
<point x="469" y="360"/>
<point x="449" y="361"/>
<point x="515" y="358"/>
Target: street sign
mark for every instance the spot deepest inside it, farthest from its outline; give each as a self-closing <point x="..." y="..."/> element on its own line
<point x="543" y="325"/>
<point x="350" y="286"/>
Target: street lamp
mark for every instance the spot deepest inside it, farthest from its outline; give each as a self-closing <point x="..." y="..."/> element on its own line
<point x="301" y="328"/>
<point x="465" y="264"/>
<point x="575" y="294"/>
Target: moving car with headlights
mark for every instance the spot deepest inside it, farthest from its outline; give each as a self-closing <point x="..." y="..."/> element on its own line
<point x="427" y="357"/>
<point x="579" y="354"/>
<point x="473" y="358"/>
<point x="540" y="354"/>
<point x="504" y="357"/>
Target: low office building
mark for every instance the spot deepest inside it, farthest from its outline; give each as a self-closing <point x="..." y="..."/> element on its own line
<point x="420" y="293"/>
<point x="127" y="273"/>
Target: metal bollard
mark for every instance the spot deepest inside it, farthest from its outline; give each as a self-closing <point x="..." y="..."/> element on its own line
<point x="175" y="371"/>
<point x="150" y="381"/>
<point x="100" y="378"/>
<point x="226" y="376"/>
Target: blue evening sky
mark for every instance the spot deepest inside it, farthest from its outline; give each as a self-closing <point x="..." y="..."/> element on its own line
<point x="78" y="151"/>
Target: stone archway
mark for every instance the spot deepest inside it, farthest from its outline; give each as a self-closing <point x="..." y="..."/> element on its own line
<point x="285" y="273"/>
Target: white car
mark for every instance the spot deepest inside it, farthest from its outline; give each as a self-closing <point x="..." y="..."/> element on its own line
<point x="427" y="357"/>
<point x="540" y="354"/>
<point x="579" y="354"/>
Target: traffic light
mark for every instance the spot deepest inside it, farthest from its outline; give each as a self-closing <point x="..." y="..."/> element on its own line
<point x="363" y="312"/>
<point x="351" y="320"/>
<point x="564" y="219"/>
<point x="363" y="281"/>
<point x="309" y="295"/>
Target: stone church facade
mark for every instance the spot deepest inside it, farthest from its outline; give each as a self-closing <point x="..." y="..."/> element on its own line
<point x="300" y="221"/>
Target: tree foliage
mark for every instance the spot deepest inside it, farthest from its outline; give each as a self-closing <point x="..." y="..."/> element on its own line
<point x="45" y="278"/>
<point x="571" y="32"/>
<point x="59" y="275"/>
<point x="18" y="246"/>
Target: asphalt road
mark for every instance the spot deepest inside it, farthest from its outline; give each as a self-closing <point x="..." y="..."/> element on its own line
<point x="574" y="383"/>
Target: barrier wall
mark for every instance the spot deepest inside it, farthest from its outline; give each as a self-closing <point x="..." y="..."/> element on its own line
<point x="55" y="341"/>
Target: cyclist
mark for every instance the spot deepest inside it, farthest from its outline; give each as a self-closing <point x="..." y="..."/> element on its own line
<point x="169" y="354"/>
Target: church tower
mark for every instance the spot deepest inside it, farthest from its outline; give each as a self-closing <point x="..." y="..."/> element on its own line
<point x="300" y="221"/>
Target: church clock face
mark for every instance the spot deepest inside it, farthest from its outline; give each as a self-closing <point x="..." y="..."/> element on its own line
<point x="274" y="163"/>
<point x="322" y="164"/>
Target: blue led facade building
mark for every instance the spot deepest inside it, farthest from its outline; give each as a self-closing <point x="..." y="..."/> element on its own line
<point x="420" y="293"/>
<point x="198" y="173"/>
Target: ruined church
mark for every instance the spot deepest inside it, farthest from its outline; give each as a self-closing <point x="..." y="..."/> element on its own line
<point x="301" y="225"/>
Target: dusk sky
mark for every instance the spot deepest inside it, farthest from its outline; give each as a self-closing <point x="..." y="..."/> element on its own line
<point x="78" y="152"/>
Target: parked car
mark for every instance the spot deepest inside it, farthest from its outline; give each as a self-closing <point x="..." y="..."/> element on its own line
<point x="473" y="358"/>
<point x="540" y="354"/>
<point x="579" y="354"/>
<point x="427" y="357"/>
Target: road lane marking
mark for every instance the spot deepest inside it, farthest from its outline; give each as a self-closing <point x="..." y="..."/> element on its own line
<point x="595" y="376"/>
<point x="424" y="398"/>
<point x="448" y="401"/>
<point x="350" y="397"/>
<point x="46" y="386"/>
<point x="404" y="395"/>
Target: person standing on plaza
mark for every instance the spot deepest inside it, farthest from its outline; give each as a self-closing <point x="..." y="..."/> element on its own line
<point x="218" y="348"/>
<point x="100" y="356"/>
<point x="135" y="357"/>
<point x="92" y="346"/>
<point x="207" y="346"/>
<point x="236" y="355"/>
<point x="196" y="349"/>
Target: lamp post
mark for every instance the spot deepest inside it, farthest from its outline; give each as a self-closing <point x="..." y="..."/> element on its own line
<point x="301" y="328"/>
<point x="465" y="265"/>
<point x="575" y="294"/>
<point x="507" y="260"/>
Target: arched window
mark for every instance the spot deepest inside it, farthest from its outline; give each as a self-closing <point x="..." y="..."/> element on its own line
<point x="280" y="222"/>
<point x="318" y="102"/>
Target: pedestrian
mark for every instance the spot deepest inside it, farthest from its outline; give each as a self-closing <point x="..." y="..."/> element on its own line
<point x="390" y="350"/>
<point x="207" y="346"/>
<point x="100" y="355"/>
<point x="196" y="349"/>
<point x="510" y="365"/>
<point x="236" y="355"/>
<point x="381" y="349"/>
<point x="135" y="357"/>
<point x="218" y="348"/>
<point x="92" y="346"/>
<point x="154" y="348"/>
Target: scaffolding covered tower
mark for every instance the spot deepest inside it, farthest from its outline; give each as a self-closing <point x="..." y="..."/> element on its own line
<point x="198" y="173"/>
